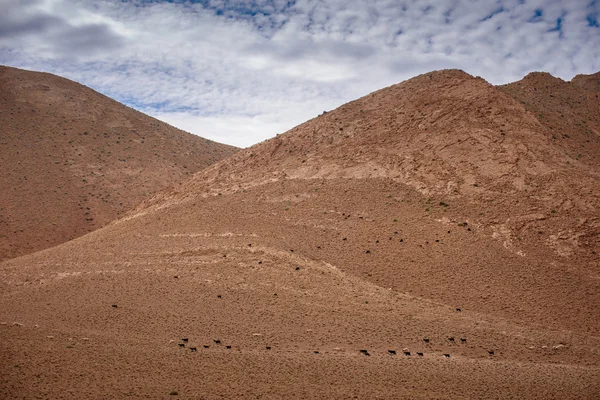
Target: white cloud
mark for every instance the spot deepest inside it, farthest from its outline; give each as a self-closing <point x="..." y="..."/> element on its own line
<point x="242" y="71"/>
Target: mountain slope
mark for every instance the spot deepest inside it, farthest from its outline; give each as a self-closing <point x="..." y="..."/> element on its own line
<point x="570" y="111"/>
<point x="72" y="159"/>
<point x="589" y="82"/>
<point x="437" y="216"/>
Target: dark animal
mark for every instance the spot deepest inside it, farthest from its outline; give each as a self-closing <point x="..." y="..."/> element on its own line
<point x="407" y="353"/>
<point x="447" y="355"/>
<point x="463" y="340"/>
<point x="491" y="352"/>
<point x="268" y="347"/>
<point x="458" y="310"/>
<point x="217" y="341"/>
<point x="193" y="349"/>
<point x="297" y="268"/>
<point x="392" y="352"/>
<point x="228" y="347"/>
<point x="114" y="306"/>
<point x="365" y="352"/>
<point x="420" y="354"/>
<point x="368" y="251"/>
<point x="206" y="346"/>
<point x="316" y="352"/>
<point x="426" y="340"/>
<point x="181" y="344"/>
<point x="451" y="339"/>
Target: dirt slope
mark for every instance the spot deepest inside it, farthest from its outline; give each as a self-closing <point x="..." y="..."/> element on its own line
<point x="72" y="159"/>
<point x="438" y="216"/>
<point x="569" y="110"/>
<point x="588" y="82"/>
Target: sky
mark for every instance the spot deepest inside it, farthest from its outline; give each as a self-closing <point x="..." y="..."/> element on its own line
<point x="242" y="71"/>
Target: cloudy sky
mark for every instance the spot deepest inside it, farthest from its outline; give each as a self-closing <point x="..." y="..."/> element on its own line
<point x="241" y="71"/>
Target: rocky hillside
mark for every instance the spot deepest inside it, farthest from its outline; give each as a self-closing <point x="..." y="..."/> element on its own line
<point x="434" y="239"/>
<point x="71" y="159"/>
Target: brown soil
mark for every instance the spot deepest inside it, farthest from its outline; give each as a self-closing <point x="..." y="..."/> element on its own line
<point x="366" y="228"/>
<point x="73" y="160"/>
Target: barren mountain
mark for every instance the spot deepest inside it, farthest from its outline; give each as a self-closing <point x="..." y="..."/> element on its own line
<point x="434" y="239"/>
<point x="570" y="111"/>
<point x="72" y="159"/>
